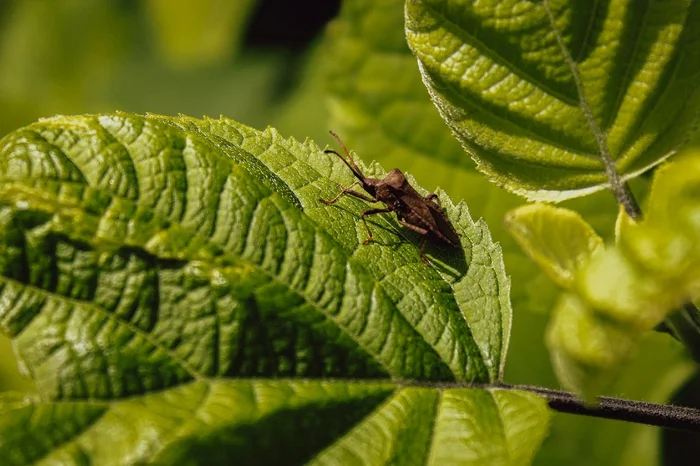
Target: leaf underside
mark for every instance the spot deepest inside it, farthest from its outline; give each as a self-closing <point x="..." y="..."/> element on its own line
<point x="499" y="77"/>
<point x="279" y="422"/>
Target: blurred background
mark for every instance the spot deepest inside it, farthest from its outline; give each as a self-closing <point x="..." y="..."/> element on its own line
<point x="240" y="58"/>
<point x="260" y="62"/>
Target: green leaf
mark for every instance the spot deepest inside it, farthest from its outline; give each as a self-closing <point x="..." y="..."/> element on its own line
<point x="145" y="261"/>
<point x="268" y="422"/>
<point x="480" y="291"/>
<point x="557" y="239"/>
<point x="539" y="91"/>
<point x="586" y="351"/>
<point x="629" y="288"/>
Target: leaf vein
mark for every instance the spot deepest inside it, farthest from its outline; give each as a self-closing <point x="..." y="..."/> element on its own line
<point x="470" y="39"/>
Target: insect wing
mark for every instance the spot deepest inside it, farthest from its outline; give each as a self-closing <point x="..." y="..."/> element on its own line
<point x="426" y="214"/>
<point x="445" y="227"/>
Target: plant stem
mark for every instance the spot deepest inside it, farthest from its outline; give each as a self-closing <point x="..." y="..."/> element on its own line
<point x="619" y="409"/>
<point x="630" y="203"/>
<point x="640" y="412"/>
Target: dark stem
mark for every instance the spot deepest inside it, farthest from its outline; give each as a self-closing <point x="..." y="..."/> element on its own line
<point x="619" y="409"/>
<point x="630" y="203"/>
<point x="640" y="412"/>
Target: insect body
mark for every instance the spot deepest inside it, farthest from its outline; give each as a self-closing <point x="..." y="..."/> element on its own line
<point x="421" y="214"/>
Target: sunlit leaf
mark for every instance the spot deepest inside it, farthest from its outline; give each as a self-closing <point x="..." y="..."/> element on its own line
<point x="557" y="239"/>
<point x="274" y="422"/>
<point x="147" y="261"/>
<point x="539" y="91"/>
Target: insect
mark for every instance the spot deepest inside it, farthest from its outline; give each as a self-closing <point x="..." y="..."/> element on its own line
<point x="422" y="214"/>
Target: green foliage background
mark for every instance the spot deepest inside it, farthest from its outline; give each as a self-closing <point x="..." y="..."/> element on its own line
<point x="80" y="56"/>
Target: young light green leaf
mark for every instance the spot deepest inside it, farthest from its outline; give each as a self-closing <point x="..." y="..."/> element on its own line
<point x="540" y="91"/>
<point x="586" y="351"/>
<point x="557" y="239"/>
<point x="275" y="422"/>
<point x="629" y="288"/>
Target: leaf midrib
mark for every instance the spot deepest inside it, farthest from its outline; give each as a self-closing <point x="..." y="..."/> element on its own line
<point x="83" y="430"/>
<point x="501" y="425"/>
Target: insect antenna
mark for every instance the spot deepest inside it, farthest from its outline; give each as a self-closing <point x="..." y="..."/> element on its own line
<point x="351" y="165"/>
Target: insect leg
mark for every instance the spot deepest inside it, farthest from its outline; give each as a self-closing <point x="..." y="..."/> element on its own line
<point x="343" y="191"/>
<point x="420" y="254"/>
<point x="371" y="212"/>
<point x="420" y="231"/>
<point x="364" y="197"/>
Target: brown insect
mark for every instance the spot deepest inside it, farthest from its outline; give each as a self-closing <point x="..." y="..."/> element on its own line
<point x="422" y="214"/>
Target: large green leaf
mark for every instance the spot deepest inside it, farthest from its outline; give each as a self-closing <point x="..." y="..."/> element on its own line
<point x="278" y="422"/>
<point x="146" y="259"/>
<point x="539" y="92"/>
